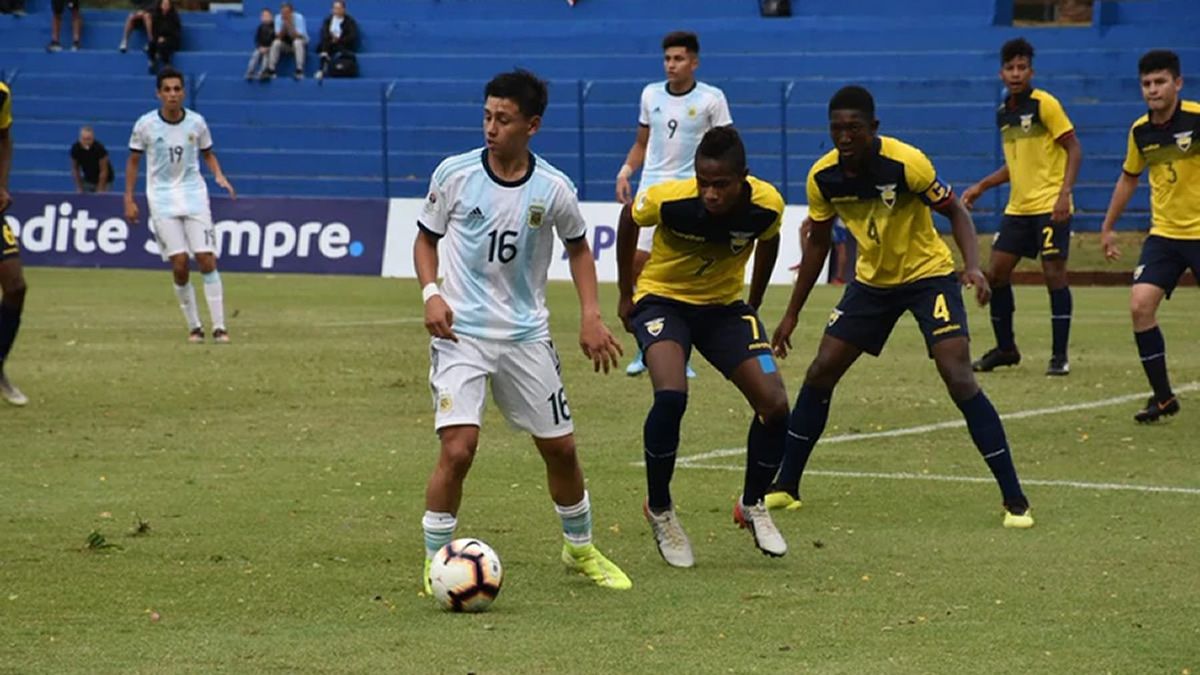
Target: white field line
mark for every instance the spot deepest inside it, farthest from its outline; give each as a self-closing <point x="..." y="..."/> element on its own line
<point x="370" y="322"/>
<point x="972" y="479"/>
<point x="688" y="460"/>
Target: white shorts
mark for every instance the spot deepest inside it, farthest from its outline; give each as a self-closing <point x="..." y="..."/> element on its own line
<point x="645" y="238"/>
<point x="190" y="234"/>
<point x="526" y="384"/>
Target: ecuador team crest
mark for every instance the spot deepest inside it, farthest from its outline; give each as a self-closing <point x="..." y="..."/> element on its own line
<point x="655" y="326"/>
<point x="739" y="240"/>
<point x="1026" y="122"/>
<point x="1183" y="139"/>
<point x="888" y="194"/>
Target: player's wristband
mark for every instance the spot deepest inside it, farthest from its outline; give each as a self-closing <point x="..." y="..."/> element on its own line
<point x="431" y="289"/>
<point x="625" y="172"/>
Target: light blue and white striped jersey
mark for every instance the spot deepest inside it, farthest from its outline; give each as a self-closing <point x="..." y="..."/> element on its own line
<point x="174" y="185"/>
<point x="677" y="123"/>
<point x="497" y="239"/>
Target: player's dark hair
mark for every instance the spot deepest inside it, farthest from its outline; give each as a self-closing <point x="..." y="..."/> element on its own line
<point x="288" y="5"/>
<point x="853" y="97"/>
<point x="723" y="144"/>
<point x="168" y="73"/>
<point x="1159" y="59"/>
<point x="523" y="88"/>
<point x="682" y="38"/>
<point x="1014" y="48"/>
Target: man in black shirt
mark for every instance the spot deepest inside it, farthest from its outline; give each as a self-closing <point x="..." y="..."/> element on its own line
<point x="90" y="167"/>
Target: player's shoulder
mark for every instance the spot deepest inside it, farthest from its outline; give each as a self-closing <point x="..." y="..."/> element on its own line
<point x="1140" y="122"/>
<point x="553" y="175"/>
<point x="709" y="90"/>
<point x="149" y="117"/>
<point x="672" y="190"/>
<point x="824" y="163"/>
<point x="454" y="165"/>
<point x="765" y="195"/>
<point x="194" y="118"/>
<point x="1191" y="107"/>
<point x="653" y="89"/>
<point x="899" y="151"/>
<point x="4" y="89"/>
<point x="1043" y="96"/>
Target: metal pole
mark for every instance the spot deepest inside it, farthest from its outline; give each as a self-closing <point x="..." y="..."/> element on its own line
<point x="786" y="95"/>
<point x="582" y="89"/>
<point x="385" y="96"/>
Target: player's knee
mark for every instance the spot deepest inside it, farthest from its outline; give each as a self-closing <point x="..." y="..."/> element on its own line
<point x="821" y="373"/>
<point x="998" y="276"/>
<point x="457" y="457"/>
<point x="560" y="453"/>
<point x="14" y="294"/>
<point x="774" y="411"/>
<point x="961" y="384"/>
<point x="1142" y="309"/>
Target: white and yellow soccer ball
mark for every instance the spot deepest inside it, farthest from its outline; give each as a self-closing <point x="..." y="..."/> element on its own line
<point x="466" y="576"/>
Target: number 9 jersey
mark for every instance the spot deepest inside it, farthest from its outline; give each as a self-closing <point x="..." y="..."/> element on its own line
<point x="497" y="239"/>
<point x="175" y="187"/>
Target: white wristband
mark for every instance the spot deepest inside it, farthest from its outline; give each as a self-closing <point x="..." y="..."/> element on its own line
<point x="431" y="289"/>
<point x="625" y="172"/>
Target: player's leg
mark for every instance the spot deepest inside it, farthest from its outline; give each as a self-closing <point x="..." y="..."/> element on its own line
<point x="641" y="256"/>
<point x="1055" y="240"/>
<point x="171" y="235"/>
<point x="1161" y="263"/>
<point x="56" y="10"/>
<point x="76" y="26"/>
<point x="202" y="242"/>
<point x="1012" y="242"/>
<point x="12" y="283"/>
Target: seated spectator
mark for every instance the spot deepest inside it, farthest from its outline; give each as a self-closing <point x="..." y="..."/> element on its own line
<point x="263" y="38"/>
<point x="143" y="13"/>
<point x="167" y="31"/>
<point x="291" y="37"/>
<point x="57" y="7"/>
<point x="89" y="163"/>
<point x="14" y="7"/>
<point x="339" y="35"/>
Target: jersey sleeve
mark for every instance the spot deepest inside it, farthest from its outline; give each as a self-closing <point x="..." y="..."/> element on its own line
<point x="1135" y="161"/>
<point x="435" y="213"/>
<point x="646" y="208"/>
<point x="719" y="111"/>
<point x="568" y="219"/>
<point x="774" y="202"/>
<point x="6" y="119"/>
<point x="644" y="109"/>
<point x="923" y="180"/>
<point x="819" y="208"/>
<point x="204" y="139"/>
<point x="137" y="139"/>
<point x="1055" y="118"/>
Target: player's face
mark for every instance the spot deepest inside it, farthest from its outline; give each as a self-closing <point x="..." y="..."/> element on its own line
<point x="720" y="185"/>
<point x="339" y="9"/>
<point x="266" y="17"/>
<point x="1016" y="74"/>
<point x="171" y="94"/>
<point x="505" y="129"/>
<point x="852" y="134"/>
<point x="86" y="138"/>
<point x="680" y="64"/>
<point x="1161" y="90"/>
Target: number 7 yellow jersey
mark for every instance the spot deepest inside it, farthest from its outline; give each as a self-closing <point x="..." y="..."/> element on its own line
<point x="698" y="258"/>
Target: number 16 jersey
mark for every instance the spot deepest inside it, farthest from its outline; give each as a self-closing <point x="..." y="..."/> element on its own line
<point x="174" y="185"/>
<point x="497" y="239"/>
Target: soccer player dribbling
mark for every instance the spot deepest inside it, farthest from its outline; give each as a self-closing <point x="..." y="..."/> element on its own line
<point x="489" y="225"/>
<point x="12" y="275"/>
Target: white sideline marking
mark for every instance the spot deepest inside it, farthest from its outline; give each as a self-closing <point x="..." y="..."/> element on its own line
<point x="954" y="424"/>
<point x="973" y="479"/>
<point x="371" y="322"/>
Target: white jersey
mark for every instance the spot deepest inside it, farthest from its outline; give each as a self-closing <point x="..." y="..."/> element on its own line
<point x="497" y="238"/>
<point x="174" y="185"/>
<point x="677" y="123"/>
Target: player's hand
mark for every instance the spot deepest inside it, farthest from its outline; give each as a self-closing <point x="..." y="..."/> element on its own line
<point x="625" y="311"/>
<point x="5" y="200"/>
<point x="1062" y="209"/>
<point x="1108" y="242"/>
<point x="598" y="344"/>
<point x="624" y="190"/>
<point x="781" y="340"/>
<point x="439" y="318"/>
<point x="970" y="195"/>
<point x="983" y="290"/>
<point x="224" y="182"/>
<point x="131" y="212"/>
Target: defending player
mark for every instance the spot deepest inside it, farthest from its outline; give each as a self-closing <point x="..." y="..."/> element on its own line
<point x="491" y="217"/>
<point x="173" y="138"/>
<point x="690" y="293"/>
<point x="674" y="115"/>
<point x="12" y="276"/>
<point x="884" y="190"/>
<point x="1041" y="160"/>
<point x="1167" y="140"/>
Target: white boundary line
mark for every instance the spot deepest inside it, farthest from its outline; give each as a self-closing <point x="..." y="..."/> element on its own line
<point x="370" y="322"/>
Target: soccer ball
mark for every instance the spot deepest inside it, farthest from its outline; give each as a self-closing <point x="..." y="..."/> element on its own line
<point x="466" y="576"/>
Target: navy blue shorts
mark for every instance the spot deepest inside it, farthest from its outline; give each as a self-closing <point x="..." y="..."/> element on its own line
<point x="1031" y="236"/>
<point x="10" y="247"/>
<point x="1164" y="260"/>
<point x="57" y="6"/>
<point x="866" y="315"/>
<point x="726" y="335"/>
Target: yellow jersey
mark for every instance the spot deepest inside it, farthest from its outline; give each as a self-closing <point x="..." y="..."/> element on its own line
<point x="5" y="106"/>
<point x="1172" y="151"/>
<point x="698" y="258"/>
<point x="1031" y="124"/>
<point x="887" y="210"/>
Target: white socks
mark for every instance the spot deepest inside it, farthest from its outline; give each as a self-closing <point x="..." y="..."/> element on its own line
<point x="187" y="303"/>
<point x="439" y="531"/>
<point x="214" y="294"/>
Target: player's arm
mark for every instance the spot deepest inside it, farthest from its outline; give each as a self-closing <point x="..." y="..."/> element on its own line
<point x="994" y="179"/>
<point x="596" y="341"/>
<point x="1131" y="170"/>
<point x="6" y="146"/>
<point x="642" y="214"/>
<point x="815" y="249"/>
<point x="76" y="175"/>
<point x="963" y="229"/>
<point x="1062" y="207"/>
<point x="131" y="174"/>
<point x="766" y="252"/>
<point x="105" y="174"/>
<point x="210" y="158"/>
<point x="633" y="161"/>
<point x="439" y="318"/>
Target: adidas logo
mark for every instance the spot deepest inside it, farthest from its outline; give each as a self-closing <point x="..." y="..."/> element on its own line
<point x="657" y="109"/>
<point x="475" y="213"/>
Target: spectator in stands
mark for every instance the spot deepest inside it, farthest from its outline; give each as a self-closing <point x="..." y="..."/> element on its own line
<point x="263" y="38"/>
<point x="142" y="14"/>
<point x="57" y="8"/>
<point x="90" y="167"/>
<point x="291" y="37"/>
<point x="339" y="34"/>
<point x="167" y="31"/>
<point x="14" y="7"/>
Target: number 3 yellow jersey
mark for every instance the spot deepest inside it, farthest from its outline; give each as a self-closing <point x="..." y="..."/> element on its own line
<point x="1172" y="151"/>
<point x="887" y="209"/>
<point x="699" y="258"/>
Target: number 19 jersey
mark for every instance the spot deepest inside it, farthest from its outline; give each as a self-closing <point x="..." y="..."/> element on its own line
<point x="174" y="185"/>
<point x="497" y="239"/>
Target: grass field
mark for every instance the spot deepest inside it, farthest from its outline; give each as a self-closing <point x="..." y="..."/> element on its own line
<point x="277" y="484"/>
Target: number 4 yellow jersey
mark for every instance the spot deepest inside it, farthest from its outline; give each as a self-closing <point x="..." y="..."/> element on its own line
<point x="698" y="258"/>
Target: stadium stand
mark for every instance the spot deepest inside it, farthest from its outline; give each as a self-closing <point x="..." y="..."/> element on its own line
<point x="931" y="64"/>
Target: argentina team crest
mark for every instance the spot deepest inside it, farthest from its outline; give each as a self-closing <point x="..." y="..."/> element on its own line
<point x="655" y="326"/>
<point x="537" y="213"/>
<point x="888" y="194"/>
<point x="1183" y="139"/>
<point x="1026" y="122"/>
